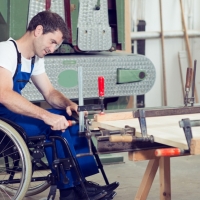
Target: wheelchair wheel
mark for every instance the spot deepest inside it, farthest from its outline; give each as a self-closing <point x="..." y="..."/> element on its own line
<point x="38" y="181"/>
<point x="35" y="187"/>
<point x="15" y="164"/>
<point x="38" y="187"/>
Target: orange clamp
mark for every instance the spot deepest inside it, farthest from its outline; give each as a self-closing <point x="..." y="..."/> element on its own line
<point x="168" y="152"/>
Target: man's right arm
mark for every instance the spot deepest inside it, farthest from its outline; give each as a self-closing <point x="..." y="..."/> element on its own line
<point x="18" y="104"/>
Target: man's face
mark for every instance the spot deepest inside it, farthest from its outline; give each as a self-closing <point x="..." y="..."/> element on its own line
<point x="46" y="43"/>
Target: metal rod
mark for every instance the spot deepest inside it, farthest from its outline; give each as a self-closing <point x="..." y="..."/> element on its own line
<point x="193" y="81"/>
<point x="80" y="98"/>
<point x="193" y="123"/>
<point x="167" y="34"/>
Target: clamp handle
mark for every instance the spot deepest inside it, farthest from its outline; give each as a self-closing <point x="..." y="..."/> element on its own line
<point x="101" y="86"/>
<point x="188" y="78"/>
<point x="48" y="4"/>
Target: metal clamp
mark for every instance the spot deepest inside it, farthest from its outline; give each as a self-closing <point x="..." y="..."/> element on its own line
<point x="190" y="100"/>
<point x="186" y="125"/>
<point x="143" y="127"/>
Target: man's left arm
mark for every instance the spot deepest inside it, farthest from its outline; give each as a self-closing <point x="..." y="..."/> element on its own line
<point x="55" y="98"/>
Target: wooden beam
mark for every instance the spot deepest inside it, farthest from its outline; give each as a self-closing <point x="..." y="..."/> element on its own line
<point x="163" y="56"/>
<point x="165" y="182"/>
<point x="195" y="146"/>
<point x="147" y="180"/>
<point x="127" y="17"/>
<point x="128" y="42"/>
<point x="142" y="155"/>
<point x="113" y="116"/>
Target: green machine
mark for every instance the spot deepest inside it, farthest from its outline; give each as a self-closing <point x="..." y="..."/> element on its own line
<point x="96" y="31"/>
<point x="15" y="14"/>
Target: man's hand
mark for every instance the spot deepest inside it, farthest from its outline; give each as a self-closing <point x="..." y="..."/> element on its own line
<point x="74" y="107"/>
<point x="57" y="122"/>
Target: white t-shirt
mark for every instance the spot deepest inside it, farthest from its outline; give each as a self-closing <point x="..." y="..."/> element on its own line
<point x="8" y="60"/>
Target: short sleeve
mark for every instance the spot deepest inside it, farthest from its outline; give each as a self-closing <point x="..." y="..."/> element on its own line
<point x="8" y="56"/>
<point x="39" y="66"/>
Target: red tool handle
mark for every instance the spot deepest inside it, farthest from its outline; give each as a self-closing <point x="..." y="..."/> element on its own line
<point x="48" y="4"/>
<point x="101" y="86"/>
<point x="168" y="152"/>
<point x="188" y="78"/>
<point x="72" y="122"/>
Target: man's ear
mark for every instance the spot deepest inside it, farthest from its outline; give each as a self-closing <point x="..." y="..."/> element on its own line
<point x="38" y="31"/>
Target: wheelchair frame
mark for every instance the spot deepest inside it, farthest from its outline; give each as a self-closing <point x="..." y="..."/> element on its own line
<point x="23" y="146"/>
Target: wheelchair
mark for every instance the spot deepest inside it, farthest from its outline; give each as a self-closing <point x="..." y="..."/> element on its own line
<point x="23" y="170"/>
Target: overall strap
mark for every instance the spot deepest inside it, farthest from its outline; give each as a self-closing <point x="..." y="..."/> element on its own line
<point x="33" y="60"/>
<point x="18" y="57"/>
<point x="32" y="63"/>
<point x="18" y="54"/>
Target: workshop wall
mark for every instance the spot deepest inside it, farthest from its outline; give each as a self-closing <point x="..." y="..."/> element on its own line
<point x="149" y="11"/>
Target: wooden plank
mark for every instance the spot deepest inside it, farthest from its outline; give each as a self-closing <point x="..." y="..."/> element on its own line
<point x="164" y="83"/>
<point x="128" y="42"/>
<point x="127" y="17"/>
<point x="195" y="146"/>
<point x="147" y="180"/>
<point x="142" y="155"/>
<point x="165" y="129"/>
<point x="165" y="182"/>
<point x="151" y="112"/>
<point x="113" y="116"/>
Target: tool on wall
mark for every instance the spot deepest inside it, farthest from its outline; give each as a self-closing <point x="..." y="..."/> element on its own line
<point x="190" y="77"/>
<point x="183" y="55"/>
<point x="187" y="44"/>
<point x="48" y="4"/>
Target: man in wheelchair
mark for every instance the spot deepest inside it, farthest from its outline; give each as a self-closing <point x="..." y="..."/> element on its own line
<point x="22" y="60"/>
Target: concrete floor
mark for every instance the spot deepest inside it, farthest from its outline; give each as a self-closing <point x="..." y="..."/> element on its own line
<point x="185" y="179"/>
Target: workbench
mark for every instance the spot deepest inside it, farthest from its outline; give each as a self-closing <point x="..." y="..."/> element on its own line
<point x="166" y="131"/>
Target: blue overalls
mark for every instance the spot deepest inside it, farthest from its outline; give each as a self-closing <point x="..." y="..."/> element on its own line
<point x="35" y="127"/>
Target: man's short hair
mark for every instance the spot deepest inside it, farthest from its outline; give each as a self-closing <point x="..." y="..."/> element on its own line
<point x="50" y="21"/>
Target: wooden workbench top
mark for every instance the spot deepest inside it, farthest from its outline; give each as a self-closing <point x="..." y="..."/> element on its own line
<point x="165" y="129"/>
